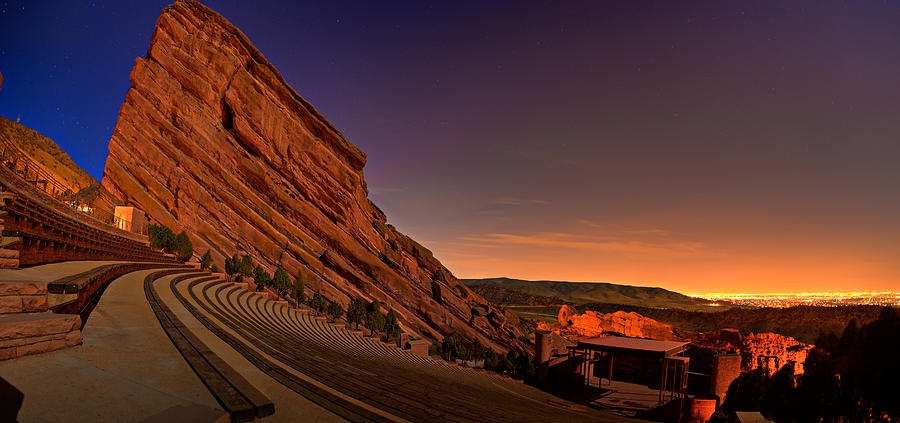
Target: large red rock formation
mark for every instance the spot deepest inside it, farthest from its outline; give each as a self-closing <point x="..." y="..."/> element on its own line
<point x="592" y="323"/>
<point x="212" y="140"/>
<point x="772" y="351"/>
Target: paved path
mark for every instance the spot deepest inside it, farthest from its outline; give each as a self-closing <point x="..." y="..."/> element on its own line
<point x="126" y="370"/>
<point x="53" y="271"/>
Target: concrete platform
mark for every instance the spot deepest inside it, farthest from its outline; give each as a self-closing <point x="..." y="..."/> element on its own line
<point x="126" y="370"/>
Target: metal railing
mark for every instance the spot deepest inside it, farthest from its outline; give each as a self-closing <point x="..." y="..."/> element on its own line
<point x="24" y="167"/>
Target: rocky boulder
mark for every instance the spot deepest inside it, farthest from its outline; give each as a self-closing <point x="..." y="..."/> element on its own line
<point x="591" y="324"/>
<point x="212" y="140"/>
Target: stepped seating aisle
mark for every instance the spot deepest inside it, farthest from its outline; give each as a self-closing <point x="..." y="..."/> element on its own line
<point x="241" y="400"/>
<point x="355" y="375"/>
<point x="37" y="229"/>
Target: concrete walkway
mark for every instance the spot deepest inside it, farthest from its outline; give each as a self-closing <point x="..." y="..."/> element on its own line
<point x="53" y="271"/>
<point x="126" y="370"/>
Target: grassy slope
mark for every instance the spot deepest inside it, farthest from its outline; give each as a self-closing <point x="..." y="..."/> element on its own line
<point x="590" y="292"/>
<point x="46" y="153"/>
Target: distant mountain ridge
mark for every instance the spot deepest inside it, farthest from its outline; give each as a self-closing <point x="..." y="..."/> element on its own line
<point x="596" y="292"/>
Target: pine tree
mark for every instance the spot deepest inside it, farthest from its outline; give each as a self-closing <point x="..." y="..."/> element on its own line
<point x="356" y="311"/>
<point x="246" y="265"/>
<point x="280" y="280"/>
<point x="229" y="267"/>
<point x="391" y="324"/>
<point x="206" y="260"/>
<point x="182" y="247"/>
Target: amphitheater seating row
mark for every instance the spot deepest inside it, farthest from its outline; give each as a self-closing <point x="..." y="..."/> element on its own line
<point x="238" y="397"/>
<point x="291" y="346"/>
<point x="42" y="235"/>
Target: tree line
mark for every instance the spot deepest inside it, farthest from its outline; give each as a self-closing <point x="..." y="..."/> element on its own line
<point x="516" y="364"/>
<point x="162" y="238"/>
<point x="359" y="310"/>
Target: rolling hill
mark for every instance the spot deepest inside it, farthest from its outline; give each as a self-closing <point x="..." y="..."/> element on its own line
<point x="597" y="292"/>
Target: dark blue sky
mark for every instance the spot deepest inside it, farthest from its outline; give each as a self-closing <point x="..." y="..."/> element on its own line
<point x="691" y="145"/>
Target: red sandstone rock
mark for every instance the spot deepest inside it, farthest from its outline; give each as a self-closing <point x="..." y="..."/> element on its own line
<point x="591" y="324"/>
<point x="40" y="347"/>
<point x="74" y="338"/>
<point x="22" y="288"/>
<point x="565" y="313"/>
<point x="772" y="351"/>
<point x="23" y="304"/>
<point x="212" y="140"/>
<point x="30" y="325"/>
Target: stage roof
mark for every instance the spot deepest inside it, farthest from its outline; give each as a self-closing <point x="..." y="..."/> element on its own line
<point x="633" y="345"/>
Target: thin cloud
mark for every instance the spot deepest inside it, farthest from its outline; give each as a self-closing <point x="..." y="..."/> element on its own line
<point x="514" y="201"/>
<point x="654" y="231"/>
<point x="607" y="226"/>
<point x="586" y="243"/>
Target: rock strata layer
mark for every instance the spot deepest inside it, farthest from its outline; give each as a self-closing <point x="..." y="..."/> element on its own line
<point x="213" y="141"/>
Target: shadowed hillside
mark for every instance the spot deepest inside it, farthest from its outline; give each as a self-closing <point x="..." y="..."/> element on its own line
<point x="597" y="292"/>
<point x="508" y="297"/>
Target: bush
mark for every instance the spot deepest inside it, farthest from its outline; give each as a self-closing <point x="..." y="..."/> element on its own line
<point x="161" y="237"/>
<point x="206" y="260"/>
<point x="214" y="268"/>
<point x="182" y="247"/>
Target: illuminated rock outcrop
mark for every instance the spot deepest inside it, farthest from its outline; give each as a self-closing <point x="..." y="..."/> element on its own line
<point x="772" y="351"/>
<point x="212" y="140"/>
<point x="592" y="323"/>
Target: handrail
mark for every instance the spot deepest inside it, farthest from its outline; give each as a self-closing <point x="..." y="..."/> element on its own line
<point x="23" y="166"/>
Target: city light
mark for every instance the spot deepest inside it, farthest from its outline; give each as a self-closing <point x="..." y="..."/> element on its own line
<point x="826" y="299"/>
